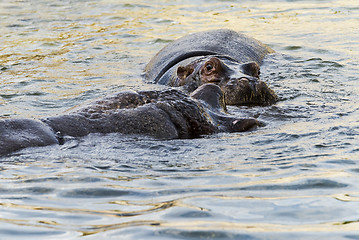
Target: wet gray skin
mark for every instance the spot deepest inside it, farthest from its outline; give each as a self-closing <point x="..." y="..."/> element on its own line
<point x="166" y="114"/>
<point x="216" y="67"/>
<point x="223" y="57"/>
<point x="239" y="82"/>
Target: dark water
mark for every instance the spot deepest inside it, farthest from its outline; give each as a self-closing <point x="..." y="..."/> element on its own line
<point x="295" y="178"/>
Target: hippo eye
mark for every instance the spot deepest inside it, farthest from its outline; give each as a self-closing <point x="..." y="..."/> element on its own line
<point x="209" y="67"/>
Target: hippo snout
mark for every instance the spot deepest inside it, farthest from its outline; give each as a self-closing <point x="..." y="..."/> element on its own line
<point x="243" y="84"/>
<point x="248" y="91"/>
<point x="247" y="83"/>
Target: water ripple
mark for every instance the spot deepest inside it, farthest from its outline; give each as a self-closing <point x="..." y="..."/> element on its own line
<point x="294" y="178"/>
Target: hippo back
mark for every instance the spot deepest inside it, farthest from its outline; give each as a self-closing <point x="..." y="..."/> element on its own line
<point x="217" y="42"/>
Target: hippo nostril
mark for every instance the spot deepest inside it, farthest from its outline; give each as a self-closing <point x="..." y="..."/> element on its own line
<point x="251" y="83"/>
<point x="244" y="79"/>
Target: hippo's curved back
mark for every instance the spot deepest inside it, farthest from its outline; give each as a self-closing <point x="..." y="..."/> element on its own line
<point x="217" y="42"/>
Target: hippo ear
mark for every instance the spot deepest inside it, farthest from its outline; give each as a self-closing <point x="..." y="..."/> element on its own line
<point x="184" y="71"/>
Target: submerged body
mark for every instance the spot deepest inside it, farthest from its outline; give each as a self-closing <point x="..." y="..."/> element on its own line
<point x="166" y="114"/>
<point x="214" y="68"/>
<point x="223" y="57"/>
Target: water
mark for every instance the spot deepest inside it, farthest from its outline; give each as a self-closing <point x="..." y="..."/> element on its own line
<point x="295" y="178"/>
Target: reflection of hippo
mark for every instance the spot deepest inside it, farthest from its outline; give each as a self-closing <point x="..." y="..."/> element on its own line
<point x="166" y="114"/>
<point x="223" y="57"/>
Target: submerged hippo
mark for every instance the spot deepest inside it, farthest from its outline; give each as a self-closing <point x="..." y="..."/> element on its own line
<point x="223" y="57"/>
<point x="166" y="114"/>
<point x="214" y="68"/>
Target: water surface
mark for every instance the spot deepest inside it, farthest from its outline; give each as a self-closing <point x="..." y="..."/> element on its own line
<point x="295" y="178"/>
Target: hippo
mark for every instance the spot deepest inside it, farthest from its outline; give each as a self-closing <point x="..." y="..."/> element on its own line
<point x="213" y="69"/>
<point x="223" y="57"/>
<point x="162" y="114"/>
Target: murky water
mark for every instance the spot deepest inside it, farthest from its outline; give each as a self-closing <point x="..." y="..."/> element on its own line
<point x="295" y="178"/>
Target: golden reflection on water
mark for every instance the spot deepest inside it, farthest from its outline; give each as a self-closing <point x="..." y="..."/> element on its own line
<point x="46" y="52"/>
<point x="70" y="52"/>
<point x="193" y="225"/>
<point x="265" y="227"/>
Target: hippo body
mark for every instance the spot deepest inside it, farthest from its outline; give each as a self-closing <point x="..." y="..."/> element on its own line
<point x="16" y="134"/>
<point x="166" y="114"/>
<point x="213" y="68"/>
<point x="224" y="57"/>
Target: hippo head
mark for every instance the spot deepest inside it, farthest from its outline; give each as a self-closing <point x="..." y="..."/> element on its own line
<point x="239" y="82"/>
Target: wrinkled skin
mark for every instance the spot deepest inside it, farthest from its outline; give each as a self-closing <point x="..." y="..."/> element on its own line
<point x="223" y="57"/>
<point x="166" y="114"/>
<point x="215" y="67"/>
<point x="239" y="82"/>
